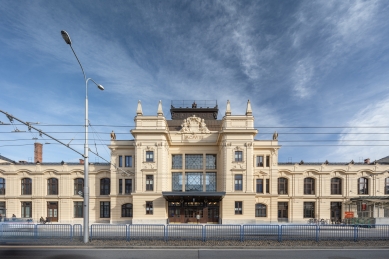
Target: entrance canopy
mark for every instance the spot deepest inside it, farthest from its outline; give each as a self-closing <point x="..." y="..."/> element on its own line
<point x="193" y="196"/>
<point x="384" y="200"/>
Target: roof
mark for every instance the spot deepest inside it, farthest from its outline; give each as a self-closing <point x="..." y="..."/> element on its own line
<point x="6" y="159"/>
<point x="383" y="160"/>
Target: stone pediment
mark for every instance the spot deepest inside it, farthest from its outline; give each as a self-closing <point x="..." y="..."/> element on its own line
<point x="194" y="124"/>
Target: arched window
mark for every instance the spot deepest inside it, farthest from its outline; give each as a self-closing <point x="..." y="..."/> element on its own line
<point x="2" y="186"/>
<point x="309" y="186"/>
<point x="363" y="185"/>
<point x="78" y="186"/>
<point x="105" y="186"/>
<point x="260" y="210"/>
<point x="52" y="186"/>
<point x="127" y="210"/>
<point x="26" y="186"/>
<point x="336" y="186"/>
<point x="282" y="186"/>
<point x="387" y="186"/>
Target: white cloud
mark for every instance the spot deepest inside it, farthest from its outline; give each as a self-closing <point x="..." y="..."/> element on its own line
<point x="375" y="117"/>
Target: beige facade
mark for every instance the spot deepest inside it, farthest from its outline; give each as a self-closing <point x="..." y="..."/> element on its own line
<point x="195" y="168"/>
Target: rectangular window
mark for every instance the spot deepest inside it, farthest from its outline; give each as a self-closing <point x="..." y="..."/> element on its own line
<point x="149" y="156"/>
<point x="127" y="186"/>
<point x="267" y="161"/>
<point x="386" y="185"/>
<point x="210" y="182"/>
<point x="259" y="161"/>
<point x="2" y="209"/>
<point x="193" y="161"/>
<point x="238" y="156"/>
<point x="149" y="207"/>
<point x="78" y="186"/>
<point x="176" y="161"/>
<point x="177" y="182"/>
<point x="78" y="209"/>
<point x="194" y="182"/>
<point x="267" y="186"/>
<point x="120" y="161"/>
<point x="259" y="185"/>
<point x="309" y="210"/>
<point x="210" y="162"/>
<point x="128" y="161"/>
<point x="282" y="211"/>
<point x="238" y="208"/>
<point x="149" y="182"/>
<point x="238" y="182"/>
<point x="105" y="209"/>
<point x="26" y="210"/>
<point x="120" y="186"/>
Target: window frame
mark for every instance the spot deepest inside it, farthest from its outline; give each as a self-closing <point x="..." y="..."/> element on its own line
<point x="149" y="156"/>
<point x="105" y="209"/>
<point x="23" y="209"/>
<point x="282" y="186"/>
<point x="259" y="162"/>
<point x="267" y="164"/>
<point x="238" y="156"/>
<point x="2" y="186"/>
<point x="127" y="186"/>
<point x="77" y="185"/>
<point x="120" y="161"/>
<point x="149" y="185"/>
<point x="78" y="209"/>
<point x="365" y="183"/>
<point x="105" y="186"/>
<point x="149" y="208"/>
<point x="52" y="186"/>
<point x="127" y="161"/>
<point x="309" y="209"/>
<point x="238" y="183"/>
<point x="26" y="186"/>
<point x="238" y="207"/>
<point x="259" y="186"/>
<point x="260" y="210"/>
<point x="127" y="210"/>
<point x="336" y="187"/>
<point x="309" y="186"/>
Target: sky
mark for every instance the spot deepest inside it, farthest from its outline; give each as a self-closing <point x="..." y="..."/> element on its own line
<point x="316" y="72"/>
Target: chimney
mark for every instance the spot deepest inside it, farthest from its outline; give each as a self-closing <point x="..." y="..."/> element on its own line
<point x="38" y="152"/>
<point x="367" y="161"/>
<point x="81" y="161"/>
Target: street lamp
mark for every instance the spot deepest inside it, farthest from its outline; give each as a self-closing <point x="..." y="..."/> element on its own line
<point x="66" y="37"/>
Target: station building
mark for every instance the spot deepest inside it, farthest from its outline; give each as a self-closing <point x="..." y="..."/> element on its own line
<point x="195" y="168"/>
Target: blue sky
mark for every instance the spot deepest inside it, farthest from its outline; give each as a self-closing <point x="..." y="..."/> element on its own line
<point x="301" y="63"/>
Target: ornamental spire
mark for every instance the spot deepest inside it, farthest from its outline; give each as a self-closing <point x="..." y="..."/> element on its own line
<point x="249" y="111"/>
<point x="139" y="111"/>
<point x="160" y="112"/>
<point x="228" y="109"/>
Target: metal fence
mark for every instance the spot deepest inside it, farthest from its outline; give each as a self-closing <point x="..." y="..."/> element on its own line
<point x="192" y="232"/>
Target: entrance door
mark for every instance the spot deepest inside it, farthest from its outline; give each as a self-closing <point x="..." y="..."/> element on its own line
<point x="336" y="212"/>
<point x="52" y="211"/>
<point x="283" y="212"/>
<point x="213" y="214"/>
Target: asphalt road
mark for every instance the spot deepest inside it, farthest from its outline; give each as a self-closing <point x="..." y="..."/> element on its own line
<point x="70" y="253"/>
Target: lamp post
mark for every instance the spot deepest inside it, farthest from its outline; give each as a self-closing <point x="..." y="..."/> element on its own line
<point x="66" y="37"/>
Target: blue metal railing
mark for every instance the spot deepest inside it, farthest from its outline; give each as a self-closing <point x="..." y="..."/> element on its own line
<point x="189" y="232"/>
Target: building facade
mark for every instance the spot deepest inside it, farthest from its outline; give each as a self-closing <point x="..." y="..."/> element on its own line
<point x="195" y="168"/>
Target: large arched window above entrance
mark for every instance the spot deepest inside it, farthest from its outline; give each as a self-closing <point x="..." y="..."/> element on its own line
<point x="260" y="210"/>
<point x="127" y="210"/>
<point x="363" y="185"/>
